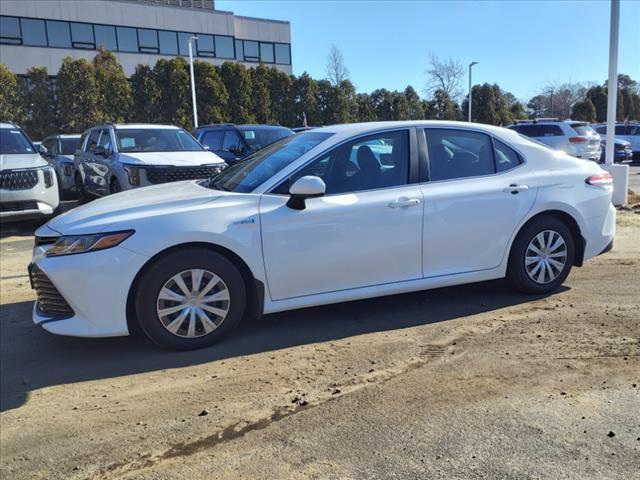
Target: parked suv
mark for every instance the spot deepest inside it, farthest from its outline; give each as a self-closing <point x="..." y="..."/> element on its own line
<point x="234" y="142"/>
<point x="577" y="139"/>
<point x="60" y="150"/>
<point x="115" y="157"/>
<point x="28" y="186"/>
<point x="629" y="132"/>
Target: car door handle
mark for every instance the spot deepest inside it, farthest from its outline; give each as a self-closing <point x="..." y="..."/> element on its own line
<point x="514" y="189"/>
<point x="404" y="202"/>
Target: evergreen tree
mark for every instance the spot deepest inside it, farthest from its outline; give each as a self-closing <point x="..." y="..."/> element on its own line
<point x="39" y="104"/>
<point x="172" y="78"/>
<point x="237" y="80"/>
<point x="598" y="98"/>
<point x="382" y="100"/>
<point x="261" y="98"/>
<point x="78" y="96"/>
<point x="305" y="100"/>
<point x="583" y="110"/>
<point x="445" y="108"/>
<point x="212" y="95"/>
<point x="115" y="100"/>
<point x="366" y="109"/>
<point x="415" y="108"/>
<point x="10" y="104"/>
<point x="146" y="95"/>
<point x="282" y="102"/>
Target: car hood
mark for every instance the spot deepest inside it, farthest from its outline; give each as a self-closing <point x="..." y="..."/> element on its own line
<point x="178" y="159"/>
<point x="126" y="207"/>
<point x="27" y="160"/>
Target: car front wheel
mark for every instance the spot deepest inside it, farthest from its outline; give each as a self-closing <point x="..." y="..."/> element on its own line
<point x="541" y="257"/>
<point x="189" y="299"/>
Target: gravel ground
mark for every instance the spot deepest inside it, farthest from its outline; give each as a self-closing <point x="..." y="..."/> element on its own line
<point x="463" y="382"/>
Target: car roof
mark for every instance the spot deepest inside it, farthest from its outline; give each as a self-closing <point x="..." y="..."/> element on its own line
<point x="365" y="127"/>
<point x="65" y="135"/>
<point x="118" y="126"/>
<point x="7" y="125"/>
<point x="240" y="127"/>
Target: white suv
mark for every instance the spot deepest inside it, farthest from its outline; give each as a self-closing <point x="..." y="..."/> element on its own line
<point x="28" y="186"/>
<point x="577" y="139"/>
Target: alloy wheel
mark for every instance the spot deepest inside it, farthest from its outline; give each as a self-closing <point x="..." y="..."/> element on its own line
<point x="193" y="303"/>
<point x="545" y="257"/>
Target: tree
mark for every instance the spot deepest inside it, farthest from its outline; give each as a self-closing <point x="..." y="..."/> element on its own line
<point x="598" y="97"/>
<point x="366" y="109"/>
<point x="115" y="101"/>
<point x="261" y="98"/>
<point x="212" y="96"/>
<point x="444" y="107"/>
<point x="172" y="79"/>
<point x="78" y="96"/>
<point x="583" y="110"/>
<point x="146" y="95"/>
<point x="282" y="102"/>
<point x="445" y="76"/>
<point x="415" y="109"/>
<point x="237" y="79"/>
<point x="305" y="100"/>
<point x="337" y="72"/>
<point x="382" y="100"/>
<point x="537" y="106"/>
<point x="39" y="105"/>
<point x="10" y="105"/>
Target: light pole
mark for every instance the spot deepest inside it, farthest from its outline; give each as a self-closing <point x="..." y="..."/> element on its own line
<point x="193" y="83"/>
<point x="470" y="66"/>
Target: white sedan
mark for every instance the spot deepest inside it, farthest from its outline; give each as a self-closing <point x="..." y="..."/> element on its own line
<point x="300" y="223"/>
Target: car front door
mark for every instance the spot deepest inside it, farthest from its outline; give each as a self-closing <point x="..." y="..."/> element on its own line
<point x="365" y="231"/>
<point x="102" y="162"/>
<point x="231" y="147"/>
<point x="478" y="192"/>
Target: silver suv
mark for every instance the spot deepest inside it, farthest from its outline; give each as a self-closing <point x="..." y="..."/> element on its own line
<point x="115" y="157"/>
<point x="28" y="186"/>
<point x="577" y="139"/>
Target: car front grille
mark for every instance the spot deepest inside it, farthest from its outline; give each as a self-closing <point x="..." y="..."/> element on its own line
<point x="176" y="174"/>
<point x="18" y="206"/>
<point x="18" y="179"/>
<point x="50" y="301"/>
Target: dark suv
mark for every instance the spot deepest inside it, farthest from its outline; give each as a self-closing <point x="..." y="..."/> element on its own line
<point x="234" y="142"/>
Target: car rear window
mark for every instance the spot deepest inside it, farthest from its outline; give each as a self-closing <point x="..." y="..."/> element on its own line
<point x="582" y="129"/>
<point x="258" y="137"/>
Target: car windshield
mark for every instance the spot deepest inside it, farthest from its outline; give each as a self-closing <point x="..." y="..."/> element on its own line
<point x="258" y="138"/>
<point x="68" y="145"/>
<point x="254" y="170"/>
<point x="155" y="140"/>
<point x="13" y="141"/>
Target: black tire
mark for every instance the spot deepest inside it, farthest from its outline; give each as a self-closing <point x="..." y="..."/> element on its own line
<point x="83" y="197"/>
<point x="517" y="274"/>
<point x="114" y="186"/>
<point x="160" y="272"/>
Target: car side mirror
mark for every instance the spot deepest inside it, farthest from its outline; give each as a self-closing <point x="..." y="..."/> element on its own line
<point x="42" y="150"/>
<point x="207" y="147"/>
<point x="308" y="186"/>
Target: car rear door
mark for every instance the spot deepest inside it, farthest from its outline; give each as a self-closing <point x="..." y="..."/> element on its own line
<point x="477" y="191"/>
<point x="365" y="231"/>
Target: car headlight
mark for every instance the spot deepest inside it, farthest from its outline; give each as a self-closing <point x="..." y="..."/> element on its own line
<point x="48" y="176"/>
<point x="72" y="244"/>
<point x="133" y="173"/>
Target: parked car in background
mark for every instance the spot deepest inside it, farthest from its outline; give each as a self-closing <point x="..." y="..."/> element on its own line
<point x="622" y="152"/>
<point x="624" y="131"/>
<point x="60" y="151"/>
<point x="115" y="157"/>
<point x="232" y="142"/>
<point x="577" y="139"/>
<point x="302" y="129"/>
<point x="427" y="204"/>
<point x="28" y="186"/>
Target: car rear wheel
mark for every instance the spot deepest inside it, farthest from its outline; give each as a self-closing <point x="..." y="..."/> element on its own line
<point x="541" y="257"/>
<point x="190" y="299"/>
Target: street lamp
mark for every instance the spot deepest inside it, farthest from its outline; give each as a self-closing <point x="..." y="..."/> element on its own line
<point x="470" y="65"/>
<point x="193" y="82"/>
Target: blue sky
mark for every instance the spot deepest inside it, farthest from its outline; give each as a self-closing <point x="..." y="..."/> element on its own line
<point x="521" y="45"/>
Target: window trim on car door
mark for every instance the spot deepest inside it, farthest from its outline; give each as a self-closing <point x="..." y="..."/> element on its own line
<point x="413" y="171"/>
<point x="425" y="166"/>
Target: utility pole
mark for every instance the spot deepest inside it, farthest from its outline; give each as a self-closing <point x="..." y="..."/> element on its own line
<point x="470" y="66"/>
<point x="193" y="82"/>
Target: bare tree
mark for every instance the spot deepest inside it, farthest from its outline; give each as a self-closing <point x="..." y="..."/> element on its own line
<point x="445" y="75"/>
<point x="336" y="69"/>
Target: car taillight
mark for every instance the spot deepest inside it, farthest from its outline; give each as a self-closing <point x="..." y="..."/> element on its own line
<point x="577" y="139"/>
<point x="602" y="180"/>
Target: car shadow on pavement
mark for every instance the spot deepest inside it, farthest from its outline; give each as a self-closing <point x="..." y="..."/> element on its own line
<point x="31" y="358"/>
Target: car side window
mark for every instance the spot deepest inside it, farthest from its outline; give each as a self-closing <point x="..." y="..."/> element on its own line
<point x="105" y="140"/>
<point x="231" y="141"/>
<point x="213" y="139"/>
<point x="458" y="154"/>
<point x="506" y="157"/>
<point x="94" y="136"/>
<point x="372" y="162"/>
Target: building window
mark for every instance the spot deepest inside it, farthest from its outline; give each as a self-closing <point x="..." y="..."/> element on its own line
<point x="148" y="40"/>
<point x="183" y="43"/>
<point x="10" y="31"/>
<point x="251" y="51"/>
<point x="239" y="50"/>
<point x="168" y="42"/>
<point x="106" y="37"/>
<point x="33" y="32"/>
<point x="127" y="39"/>
<point x="266" y="52"/>
<point x="82" y="36"/>
<point x="224" y="47"/>
<point x="59" y="34"/>
<point x="206" y="47"/>
<point x="283" y="55"/>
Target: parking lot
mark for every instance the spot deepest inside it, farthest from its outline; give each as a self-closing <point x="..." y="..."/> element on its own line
<point x="468" y="382"/>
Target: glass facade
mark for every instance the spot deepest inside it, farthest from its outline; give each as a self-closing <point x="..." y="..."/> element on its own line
<point x="89" y="36"/>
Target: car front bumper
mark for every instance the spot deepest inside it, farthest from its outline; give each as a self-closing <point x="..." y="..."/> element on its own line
<point x="95" y="285"/>
<point x="28" y="203"/>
